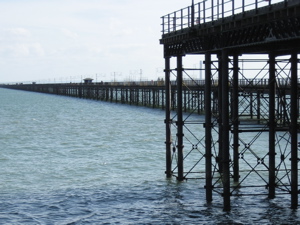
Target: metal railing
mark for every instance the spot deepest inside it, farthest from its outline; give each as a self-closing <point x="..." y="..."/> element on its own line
<point x="281" y="82"/>
<point x="208" y="11"/>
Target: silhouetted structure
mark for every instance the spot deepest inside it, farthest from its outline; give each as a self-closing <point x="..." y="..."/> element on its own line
<point x="225" y="153"/>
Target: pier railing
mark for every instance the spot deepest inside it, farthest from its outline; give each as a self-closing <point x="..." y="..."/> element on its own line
<point x="210" y="10"/>
<point x="281" y="82"/>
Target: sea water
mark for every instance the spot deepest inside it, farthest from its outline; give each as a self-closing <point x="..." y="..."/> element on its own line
<point x="66" y="160"/>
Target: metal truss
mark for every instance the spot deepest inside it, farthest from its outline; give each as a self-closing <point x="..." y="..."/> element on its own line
<point x="260" y="128"/>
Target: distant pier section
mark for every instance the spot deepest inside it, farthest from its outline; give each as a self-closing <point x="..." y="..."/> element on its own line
<point x="152" y="93"/>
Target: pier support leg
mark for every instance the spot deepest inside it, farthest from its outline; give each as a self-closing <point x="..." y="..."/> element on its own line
<point x="168" y="118"/>
<point x="258" y="106"/>
<point x="235" y="118"/>
<point x="208" y="128"/>
<point x="220" y="100"/>
<point x="80" y="92"/>
<point x="293" y="130"/>
<point x="225" y="131"/>
<point x="111" y="94"/>
<point x="179" y="119"/>
<point x="272" y="125"/>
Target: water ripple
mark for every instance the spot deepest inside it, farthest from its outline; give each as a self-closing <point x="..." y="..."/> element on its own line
<point x="74" y="161"/>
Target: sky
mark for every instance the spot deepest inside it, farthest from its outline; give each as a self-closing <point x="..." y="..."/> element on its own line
<point x="67" y="40"/>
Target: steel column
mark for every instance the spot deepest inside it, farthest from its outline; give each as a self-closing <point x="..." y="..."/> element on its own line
<point x="272" y="125"/>
<point x="258" y="106"/>
<point x="137" y="97"/>
<point x="220" y="104"/>
<point x="154" y="97"/>
<point x="116" y="95"/>
<point x="168" y="118"/>
<point x="235" y="117"/>
<point x="208" y="128"/>
<point x="179" y="119"/>
<point x="225" y="131"/>
<point x="293" y="131"/>
<point x="111" y="94"/>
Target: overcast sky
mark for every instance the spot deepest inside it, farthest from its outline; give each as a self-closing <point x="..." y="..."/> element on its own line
<point x="66" y="40"/>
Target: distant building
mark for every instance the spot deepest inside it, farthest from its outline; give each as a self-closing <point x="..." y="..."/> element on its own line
<point x="88" y="80"/>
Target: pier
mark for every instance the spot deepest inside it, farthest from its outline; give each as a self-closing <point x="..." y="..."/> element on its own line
<point x="152" y="94"/>
<point x="226" y="150"/>
<point x="245" y="142"/>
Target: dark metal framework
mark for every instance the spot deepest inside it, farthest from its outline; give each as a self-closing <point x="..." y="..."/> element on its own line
<point x="249" y="137"/>
<point x="147" y="93"/>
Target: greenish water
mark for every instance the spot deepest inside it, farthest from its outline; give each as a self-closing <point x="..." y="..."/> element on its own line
<point x="73" y="161"/>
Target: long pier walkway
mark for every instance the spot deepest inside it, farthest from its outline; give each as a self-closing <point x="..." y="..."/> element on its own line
<point x="152" y="94"/>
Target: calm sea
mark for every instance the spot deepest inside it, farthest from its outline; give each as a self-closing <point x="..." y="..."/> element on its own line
<point x="65" y="160"/>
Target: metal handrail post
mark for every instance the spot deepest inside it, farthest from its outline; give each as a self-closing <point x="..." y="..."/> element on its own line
<point x="204" y="12"/>
<point x="212" y="10"/>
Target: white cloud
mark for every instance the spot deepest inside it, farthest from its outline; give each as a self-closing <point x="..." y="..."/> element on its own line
<point x="18" y="43"/>
<point x="14" y="34"/>
<point x="71" y="37"/>
<point x="36" y="49"/>
<point x="69" y="34"/>
<point x="21" y="50"/>
<point x="18" y="33"/>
